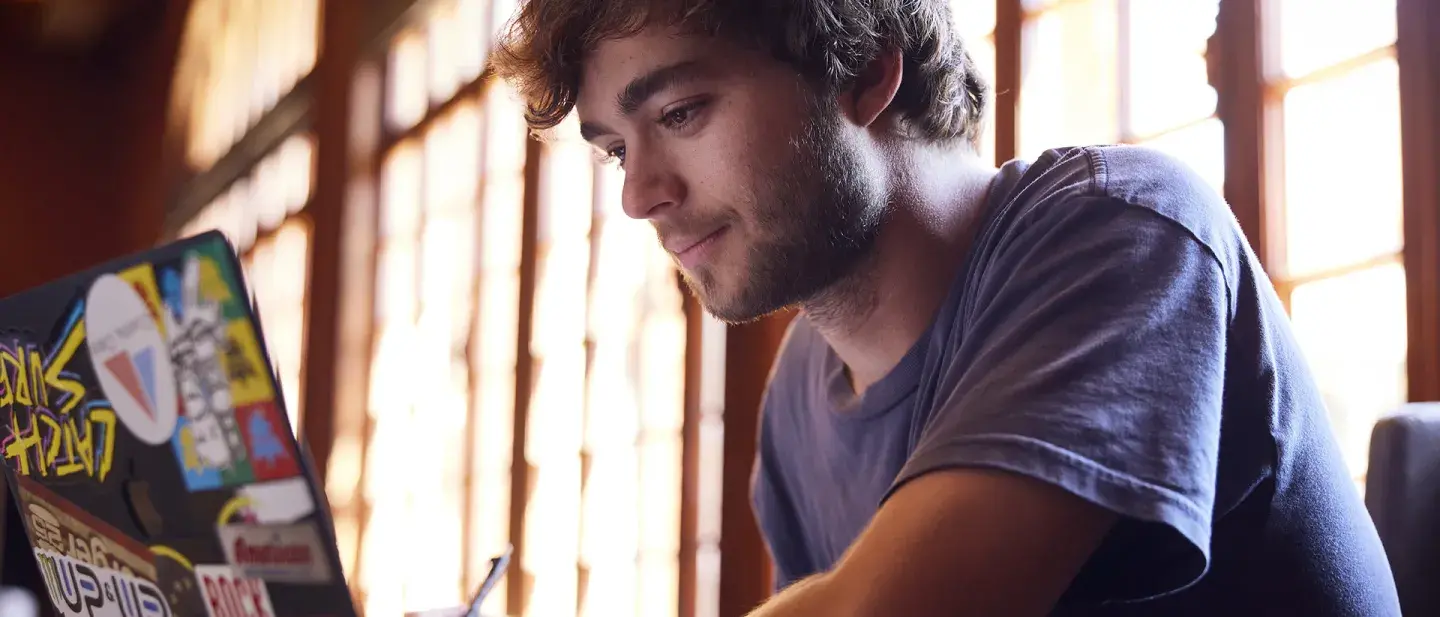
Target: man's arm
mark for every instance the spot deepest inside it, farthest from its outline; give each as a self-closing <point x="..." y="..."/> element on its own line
<point x="957" y="543"/>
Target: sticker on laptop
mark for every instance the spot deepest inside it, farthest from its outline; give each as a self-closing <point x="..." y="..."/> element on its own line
<point x="131" y="358"/>
<point x="59" y="527"/>
<point x="279" y="553"/>
<point x="78" y="589"/>
<point x="230" y="432"/>
<point x="229" y="594"/>
<point x="278" y="502"/>
<point x="54" y="429"/>
<point x="177" y="580"/>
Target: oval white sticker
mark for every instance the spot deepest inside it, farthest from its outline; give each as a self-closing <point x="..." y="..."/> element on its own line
<point x="131" y="359"/>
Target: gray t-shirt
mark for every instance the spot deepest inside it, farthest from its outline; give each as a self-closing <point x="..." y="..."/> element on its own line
<point x="1110" y="333"/>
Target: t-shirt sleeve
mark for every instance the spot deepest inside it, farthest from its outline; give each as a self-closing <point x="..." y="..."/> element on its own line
<point x="1093" y="359"/>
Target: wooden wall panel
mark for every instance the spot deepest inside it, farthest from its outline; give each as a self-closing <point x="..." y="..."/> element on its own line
<point x="745" y="575"/>
<point x="1418" y="52"/>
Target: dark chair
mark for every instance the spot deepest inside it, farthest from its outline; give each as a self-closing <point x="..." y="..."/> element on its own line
<point x="1402" y="492"/>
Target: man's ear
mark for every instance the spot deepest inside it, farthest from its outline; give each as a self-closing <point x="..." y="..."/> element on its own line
<point x="873" y="89"/>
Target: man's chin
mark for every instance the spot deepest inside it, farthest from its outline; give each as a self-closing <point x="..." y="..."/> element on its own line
<point x="732" y="306"/>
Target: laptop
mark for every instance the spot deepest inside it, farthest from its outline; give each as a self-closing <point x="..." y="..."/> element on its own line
<point x="147" y="446"/>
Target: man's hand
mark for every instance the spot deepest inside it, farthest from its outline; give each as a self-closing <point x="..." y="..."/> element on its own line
<point x="963" y="542"/>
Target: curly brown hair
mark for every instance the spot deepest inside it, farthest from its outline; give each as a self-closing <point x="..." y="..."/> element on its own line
<point x="942" y="95"/>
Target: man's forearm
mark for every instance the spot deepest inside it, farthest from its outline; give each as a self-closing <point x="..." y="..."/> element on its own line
<point x="811" y="596"/>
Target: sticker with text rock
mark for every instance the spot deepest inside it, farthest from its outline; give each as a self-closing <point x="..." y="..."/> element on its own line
<point x="132" y="359"/>
<point x="227" y="593"/>
<point x="279" y="553"/>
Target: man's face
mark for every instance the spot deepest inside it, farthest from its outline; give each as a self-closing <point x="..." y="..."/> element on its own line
<point x="754" y="182"/>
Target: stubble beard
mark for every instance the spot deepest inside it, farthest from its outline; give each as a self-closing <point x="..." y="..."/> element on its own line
<point x="814" y="230"/>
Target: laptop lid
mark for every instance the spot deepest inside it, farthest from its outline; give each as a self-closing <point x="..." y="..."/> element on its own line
<point x="148" y="448"/>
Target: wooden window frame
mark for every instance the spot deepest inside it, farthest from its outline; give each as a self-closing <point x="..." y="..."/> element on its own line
<point x="351" y="146"/>
<point x="1417" y="49"/>
<point x="1249" y="95"/>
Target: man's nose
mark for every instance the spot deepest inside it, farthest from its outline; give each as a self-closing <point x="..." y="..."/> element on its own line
<point x="650" y="187"/>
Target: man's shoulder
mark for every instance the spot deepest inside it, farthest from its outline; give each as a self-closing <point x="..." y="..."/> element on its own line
<point x="1058" y="182"/>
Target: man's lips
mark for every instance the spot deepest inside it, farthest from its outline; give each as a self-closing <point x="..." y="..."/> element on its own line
<point x="690" y="250"/>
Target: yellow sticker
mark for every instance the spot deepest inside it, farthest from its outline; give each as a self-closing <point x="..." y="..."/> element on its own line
<point x="249" y="379"/>
<point x="213" y="284"/>
<point x="142" y="278"/>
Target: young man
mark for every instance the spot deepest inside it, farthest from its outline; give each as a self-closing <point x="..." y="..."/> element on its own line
<point x="1063" y="387"/>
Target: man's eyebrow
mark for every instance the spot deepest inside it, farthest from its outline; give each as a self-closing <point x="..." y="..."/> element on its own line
<point x="590" y="130"/>
<point x="642" y="88"/>
<point x="645" y="86"/>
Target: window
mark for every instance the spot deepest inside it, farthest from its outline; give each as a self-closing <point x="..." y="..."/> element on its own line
<point x="1137" y="71"/>
<point x="601" y="455"/>
<point x="975" y="22"/>
<point x="1121" y="71"/>
<point x="1339" y="265"/>
<point x="1069" y="74"/>
<point x="226" y="82"/>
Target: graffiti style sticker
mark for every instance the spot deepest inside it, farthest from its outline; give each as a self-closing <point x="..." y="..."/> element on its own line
<point x="283" y="553"/>
<point x="207" y="441"/>
<point x="278" y="502"/>
<point x="131" y="358"/>
<point x="53" y="430"/>
<point x="271" y="456"/>
<point x="212" y="452"/>
<point x="78" y="589"/>
<point x="229" y="594"/>
<point x="58" y="526"/>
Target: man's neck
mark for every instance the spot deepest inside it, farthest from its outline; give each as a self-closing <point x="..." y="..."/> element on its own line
<point x="873" y="317"/>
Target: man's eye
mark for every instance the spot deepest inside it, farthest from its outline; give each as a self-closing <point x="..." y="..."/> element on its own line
<point x="681" y="116"/>
<point x="616" y="154"/>
<point x="677" y="117"/>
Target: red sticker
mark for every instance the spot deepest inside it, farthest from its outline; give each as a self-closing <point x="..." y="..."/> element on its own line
<point x="228" y="594"/>
<point x="271" y="454"/>
<point x="284" y="553"/>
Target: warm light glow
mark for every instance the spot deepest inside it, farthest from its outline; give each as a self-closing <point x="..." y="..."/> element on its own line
<point x="258" y="204"/>
<point x="278" y="268"/>
<point x="1168" y="81"/>
<point x="1352" y="329"/>
<point x="1335" y="219"/>
<point x="1079" y="91"/>
<point x="420" y="378"/>
<point x="1319" y="33"/>
<point x="406" y="87"/>
<point x="237" y="59"/>
<point x="975" y="23"/>
<point x="1069" y="77"/>
<point x="1351" y="323"/>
